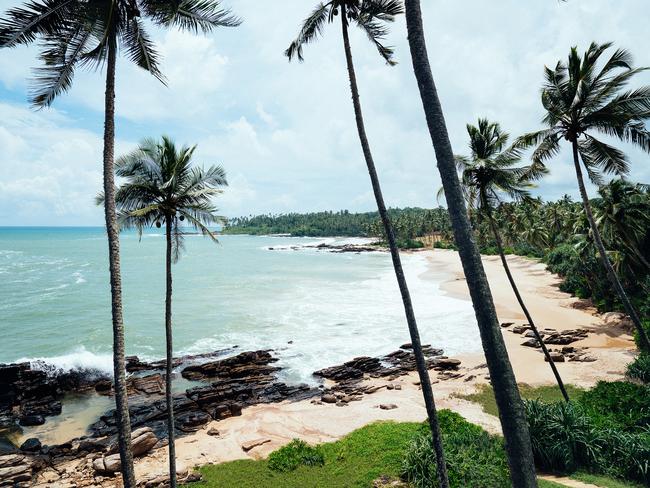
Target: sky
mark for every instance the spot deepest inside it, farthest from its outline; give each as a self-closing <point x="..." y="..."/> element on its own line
<point x="285" y="132"/>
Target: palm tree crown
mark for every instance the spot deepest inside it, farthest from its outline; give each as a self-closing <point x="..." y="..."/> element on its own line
<point x="581" y="100"/>
<point x="369" y="15"/>
<point x="77" y="34"/>
<point x="490" y="170"/>
<point x="162" y="184"/>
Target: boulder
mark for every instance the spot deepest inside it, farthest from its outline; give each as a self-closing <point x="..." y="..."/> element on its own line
<point x="531" y="343"/>
<point x="444" y="364"/>
<point x="556" y="357"/>
<point x="142" y="441"/>
<point x="30" y="420"/>
<point x="108" y="464"/>
<point x="31" y="445"/>
<point x="327" y="398"/>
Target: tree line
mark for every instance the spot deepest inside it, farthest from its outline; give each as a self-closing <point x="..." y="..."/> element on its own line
<point x="583" y="96"/>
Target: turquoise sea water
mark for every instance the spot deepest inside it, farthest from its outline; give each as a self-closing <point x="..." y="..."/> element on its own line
<point x="55" y="300"/>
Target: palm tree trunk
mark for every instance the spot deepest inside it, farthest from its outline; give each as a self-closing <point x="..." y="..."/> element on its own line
<point x="113" y="231"/>
<point x="511" y="411"/>
<point x="170" y="357"/>
<point x="556" y="373"/>
<point x="423" y="373"/>
<point x="611" y="273"/>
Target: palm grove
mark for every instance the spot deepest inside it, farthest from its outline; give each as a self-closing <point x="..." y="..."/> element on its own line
<point x="487" y="191"/>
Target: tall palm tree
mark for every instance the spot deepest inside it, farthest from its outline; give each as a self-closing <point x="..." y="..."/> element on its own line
<point x="580" y="100"/>
<point x="87" y="34"/>
<point x="511" y="410"/>
<point x="371" y="16"/>
<point x="489" y="172"/>
<point x="162" y="187"/>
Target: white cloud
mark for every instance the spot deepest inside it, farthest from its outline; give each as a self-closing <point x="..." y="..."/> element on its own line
<point x="285" y="131"/>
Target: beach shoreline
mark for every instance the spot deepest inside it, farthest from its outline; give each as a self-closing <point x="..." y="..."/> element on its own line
<point x="274" y="425"/>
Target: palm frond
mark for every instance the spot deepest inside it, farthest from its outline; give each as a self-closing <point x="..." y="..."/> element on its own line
<point x="140" y="49"/>
<point x="597" y="154"/>
<point x="311" y="29"/>
<point x="22" y="25"/>
<point x="62" y="53"/>
<point x="190" y="15"/>
<point x="376" y="33"/>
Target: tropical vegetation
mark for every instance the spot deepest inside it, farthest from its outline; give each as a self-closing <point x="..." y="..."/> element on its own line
<point x="583" y="97"/>
<point x="596" y="245"/>
<point x="162" y="188"/>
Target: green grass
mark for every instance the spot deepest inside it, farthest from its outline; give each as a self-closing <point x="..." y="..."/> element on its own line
<point x="551" y="393"/>
<point x="354" y="461"/>
<point x="603" y="481"/>
<point x="550" y="484"/>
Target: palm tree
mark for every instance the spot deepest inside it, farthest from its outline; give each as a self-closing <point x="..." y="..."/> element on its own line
<point x="621" y="214"/>
<point x="87" y="34"/>
<point x="371" y="16"/>
<point x="162" y="187"/>
<point x="511" y="410"/>
<point x="581" y="100"/>
<point x="488" y="172"/>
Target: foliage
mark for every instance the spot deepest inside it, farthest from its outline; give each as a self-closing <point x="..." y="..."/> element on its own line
<point x="408" y="223"/>
<point x="639" y="369"/>
<point x="474" y="457"/>
<point x="566" y="437"/>
<point x="618" y="404"/>
<point x="353" y="461"/>
<point x="361" y="457"/>
<point x="296" y="453"/>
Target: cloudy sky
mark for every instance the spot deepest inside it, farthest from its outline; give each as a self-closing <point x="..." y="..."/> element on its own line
<point x="285" y="132"/>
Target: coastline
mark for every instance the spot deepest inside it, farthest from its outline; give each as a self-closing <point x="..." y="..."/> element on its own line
<point x="279" y="423"/>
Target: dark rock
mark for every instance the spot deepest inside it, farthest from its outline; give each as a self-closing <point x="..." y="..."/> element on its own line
<point x="531" y="343"/>
<point x="388" y="406"/>
<point x="31" y="445"/>
<point x="556" y="357"/>
<point x="29" y="420"/>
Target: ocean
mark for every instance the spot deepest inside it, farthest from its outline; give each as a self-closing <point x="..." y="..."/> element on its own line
<point x="313" y="308"/>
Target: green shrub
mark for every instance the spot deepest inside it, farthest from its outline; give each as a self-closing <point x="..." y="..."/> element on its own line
<point x="639" y="369"/>
<point x="618" y="404"/>
<point x="474" y="458"/>
<point x="569" y="436"/>
<point x="296" y="453"/>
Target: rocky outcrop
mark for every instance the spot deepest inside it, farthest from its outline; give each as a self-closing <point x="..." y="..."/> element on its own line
<point x="395" y="364"/>
<point x="15" y="469"/>
<point x="230" y="384"/>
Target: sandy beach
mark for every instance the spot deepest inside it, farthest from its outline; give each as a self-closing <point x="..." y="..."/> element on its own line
<point x="276" y="424"/>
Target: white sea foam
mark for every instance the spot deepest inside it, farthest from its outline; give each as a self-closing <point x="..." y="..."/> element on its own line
<point x="79" y="277"/>
<point x="78" y="360"/>
<point x="322" y="326"/>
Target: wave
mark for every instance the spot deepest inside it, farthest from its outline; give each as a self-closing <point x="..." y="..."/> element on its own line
<point x="79" y="360"/>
